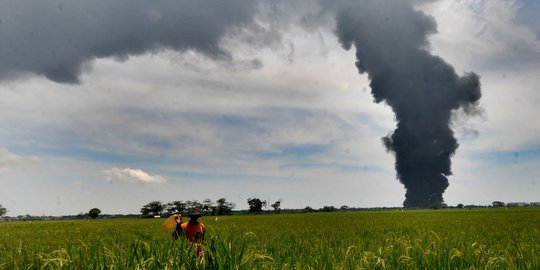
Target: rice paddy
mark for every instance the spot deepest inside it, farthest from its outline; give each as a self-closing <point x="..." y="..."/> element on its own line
<point x="440" y="239"/>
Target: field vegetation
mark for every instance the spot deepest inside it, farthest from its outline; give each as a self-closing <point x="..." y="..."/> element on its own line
<point x="441" y="239"/>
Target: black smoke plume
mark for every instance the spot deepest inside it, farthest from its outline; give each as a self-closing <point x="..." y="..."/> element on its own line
<point x="58" y="38"/>
<point x="423" y="90"/>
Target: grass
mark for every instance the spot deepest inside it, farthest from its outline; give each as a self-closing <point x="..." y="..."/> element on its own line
<point x="443" y="239"/>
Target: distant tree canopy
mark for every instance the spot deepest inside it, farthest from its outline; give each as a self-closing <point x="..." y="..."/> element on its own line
<point x="497" y="204"/>
<point x="223" y="207"/>
<point x="207" y="206"/>
<point x="276" y="206"/>
<point x="152" y="209"/>
<point x="255" y="205"/>
<point x="94" y="213"/>
<point x="3" y="210"/>
<point x="438" y="205"/>
<point x="175" y="207"/>
<point x="327" y="208"/>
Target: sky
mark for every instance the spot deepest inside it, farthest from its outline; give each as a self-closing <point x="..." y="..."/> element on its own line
<point x="111" y="104"/>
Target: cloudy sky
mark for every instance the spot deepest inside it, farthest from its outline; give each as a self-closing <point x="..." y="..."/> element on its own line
<point x="113" y="104"/>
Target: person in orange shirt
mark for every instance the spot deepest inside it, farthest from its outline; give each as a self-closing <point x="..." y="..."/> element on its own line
<point x="193" y="230"/>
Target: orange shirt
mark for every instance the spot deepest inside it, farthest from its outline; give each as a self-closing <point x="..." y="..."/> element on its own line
<point x="193" y="232"/>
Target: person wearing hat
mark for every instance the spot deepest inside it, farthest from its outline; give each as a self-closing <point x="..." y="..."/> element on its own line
<point x="193" y="230"/>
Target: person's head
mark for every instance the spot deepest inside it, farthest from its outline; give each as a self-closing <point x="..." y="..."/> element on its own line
<point x="178" y="217"/>
<point x="194" y="215"/>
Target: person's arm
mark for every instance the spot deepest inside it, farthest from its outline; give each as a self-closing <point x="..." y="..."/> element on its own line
<point x="178" y="230"/>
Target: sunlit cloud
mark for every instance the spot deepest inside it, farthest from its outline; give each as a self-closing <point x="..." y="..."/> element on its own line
<point x="129" y="175"/>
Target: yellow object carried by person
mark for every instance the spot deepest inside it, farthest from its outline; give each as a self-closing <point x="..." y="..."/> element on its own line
<point x="170" y="223"/>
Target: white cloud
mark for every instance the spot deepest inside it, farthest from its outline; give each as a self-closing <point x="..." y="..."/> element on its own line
<point x="129" y="175"/>
<point x="483" y="35"/>
<point x="8" y="160"/>
<point x="211" y="117"/>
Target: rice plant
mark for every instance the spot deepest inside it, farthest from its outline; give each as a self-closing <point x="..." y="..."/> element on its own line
<point x="449" y="239"/>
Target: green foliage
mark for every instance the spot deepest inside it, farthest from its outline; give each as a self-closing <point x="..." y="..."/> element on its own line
<point x="152" y="209"/>
<point x="327" y="208"/>
<point x="276" y="206"/>
<point x="94" y="213"/>
<point x="423" y="239"/>
<point x="3" y="210"/>
<point x="255" y="205"/>
<point x="497" y="204"/>
<point x="175" y="207"/>
<point x="223" y="207"/>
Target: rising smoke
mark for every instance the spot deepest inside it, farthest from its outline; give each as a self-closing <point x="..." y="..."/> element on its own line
<point x="424" y="91"/>
<point x="58" y="39"/>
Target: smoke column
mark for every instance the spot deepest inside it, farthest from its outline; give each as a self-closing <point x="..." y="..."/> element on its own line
<point x="390" y="38"/>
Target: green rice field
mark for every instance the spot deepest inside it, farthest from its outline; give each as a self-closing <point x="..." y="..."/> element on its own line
<point x="420" y="239"/>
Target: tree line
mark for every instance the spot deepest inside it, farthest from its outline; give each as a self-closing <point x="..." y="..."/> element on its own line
<point x="207" y="207"/>
<point x="255" y="206"/>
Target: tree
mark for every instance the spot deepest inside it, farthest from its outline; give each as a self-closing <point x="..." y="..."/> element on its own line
<point x="344" y="208"/>
<point x="208" y="207"/>
<point x="497" y="204"/>
<point x="3" y="210"/>
<point x="308" y="209"/>
<point x="460" y="206"/>
<point x="327" y="208"/>
<point x="175" y="207"/>
<point x="152" y="209"/>
<point x="224" y="207"/>
<point x="193" y="205"/>
<point x="255" y="205"/>
<point x="82" y="215"/>
<point x="277" y="206"/>
<point x="94" y="213"/>
<point x="438" y="205"/>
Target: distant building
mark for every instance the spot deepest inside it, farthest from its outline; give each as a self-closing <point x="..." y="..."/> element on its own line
<point x="516" y="204"/>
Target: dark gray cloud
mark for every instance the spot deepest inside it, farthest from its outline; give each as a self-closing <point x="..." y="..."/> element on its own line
<point x="57" y="38"/>
<point x="423" y="90"/>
